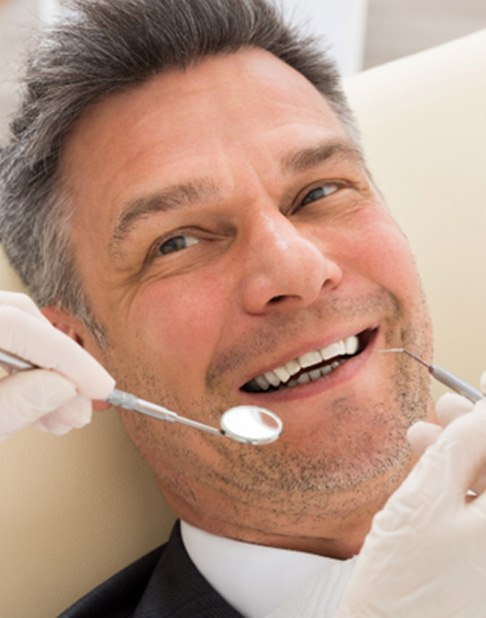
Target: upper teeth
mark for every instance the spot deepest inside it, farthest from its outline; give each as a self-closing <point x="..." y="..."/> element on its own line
<point x="284" y="373"/>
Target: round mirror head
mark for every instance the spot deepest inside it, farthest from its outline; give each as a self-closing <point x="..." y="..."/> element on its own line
<point x="251" y="425"/>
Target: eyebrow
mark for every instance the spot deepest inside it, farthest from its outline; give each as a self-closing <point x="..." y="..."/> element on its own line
<point x="172" y="198"/>
<point x="306" y="158"/>
<point x="193" y="192"/>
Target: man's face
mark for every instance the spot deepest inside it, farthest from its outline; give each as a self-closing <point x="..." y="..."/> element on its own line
<point x="226" y="229"/>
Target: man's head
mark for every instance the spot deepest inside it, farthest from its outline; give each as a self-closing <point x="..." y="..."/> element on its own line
<point x="107" y="47"/>
<point x="224" y="229"/>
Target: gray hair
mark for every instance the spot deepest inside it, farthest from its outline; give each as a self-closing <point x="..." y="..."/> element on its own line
<point x="104" y="47"/>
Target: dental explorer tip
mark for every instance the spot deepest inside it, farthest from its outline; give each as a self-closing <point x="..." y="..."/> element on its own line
<point x="385" y="350"/>
<point x="404" y="351"/>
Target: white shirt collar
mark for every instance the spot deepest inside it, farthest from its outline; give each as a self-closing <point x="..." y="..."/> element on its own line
<point x="255" y="579"/>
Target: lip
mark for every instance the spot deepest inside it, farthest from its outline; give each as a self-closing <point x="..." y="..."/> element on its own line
<point x="343" y="373"/>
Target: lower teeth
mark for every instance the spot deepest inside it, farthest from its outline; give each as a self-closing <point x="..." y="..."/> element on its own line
<point x="310" y="376"/>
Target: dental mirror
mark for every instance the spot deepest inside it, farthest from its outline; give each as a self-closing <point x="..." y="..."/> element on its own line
<point x="246" y="424"/>
<point x="251" y="425"/>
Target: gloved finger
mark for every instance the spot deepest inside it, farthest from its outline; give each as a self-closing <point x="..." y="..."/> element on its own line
<point x="479" y="484"/>
<point x="43" y="345"/>
<point x="27" y="396"/>
<point x="463" y="445"/>
<point x="451" y="406"/>
<point x="75" y="414"/>
<point x="482" y="382"/>
<point x="421" y="435"/>
<point x="22" y="302"/>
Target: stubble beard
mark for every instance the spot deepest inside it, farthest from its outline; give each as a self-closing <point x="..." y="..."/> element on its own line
<point x="314" y="482"/>
<point x="339" y="472"/>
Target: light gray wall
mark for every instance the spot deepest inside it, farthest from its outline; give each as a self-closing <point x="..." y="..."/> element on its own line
<point x="341" y="22"/>
<point x="19" y="21"/>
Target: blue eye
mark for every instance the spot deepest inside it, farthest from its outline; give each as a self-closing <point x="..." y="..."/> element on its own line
<point x="320" y="192"/>
<point x="176" y="243"/>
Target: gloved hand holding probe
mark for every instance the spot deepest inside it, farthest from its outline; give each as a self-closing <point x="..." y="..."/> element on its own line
<point x="55" y="399"/>
<point x="425" y="556"/>
<point x="426" y="553"/>
<point x="448" y="408"/>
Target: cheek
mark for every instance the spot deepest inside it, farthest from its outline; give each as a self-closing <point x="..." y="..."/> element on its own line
<point x="181" y="320"/>
<point x="382" y="253"/>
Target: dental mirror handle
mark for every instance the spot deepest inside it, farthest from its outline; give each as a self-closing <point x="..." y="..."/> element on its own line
<point x="15" y="362"/>
<point x="132" y="402"/>
<point x="262" y="426"/>
<point x="121" y="399"/>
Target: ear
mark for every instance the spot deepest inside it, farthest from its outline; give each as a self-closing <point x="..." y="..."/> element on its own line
<point x="65" y="322"/>
<point x="76" y="330"/>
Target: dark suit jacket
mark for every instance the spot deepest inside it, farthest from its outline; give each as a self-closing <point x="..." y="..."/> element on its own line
<point x="162" y="584"/>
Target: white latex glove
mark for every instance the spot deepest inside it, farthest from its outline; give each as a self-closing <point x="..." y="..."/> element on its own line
<point x="448" y="408"/>
<point x="55" y="399"/>
<point x="425" y="556"/>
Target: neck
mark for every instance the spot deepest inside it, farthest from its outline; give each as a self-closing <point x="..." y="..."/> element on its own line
<point x="341" y="540"/>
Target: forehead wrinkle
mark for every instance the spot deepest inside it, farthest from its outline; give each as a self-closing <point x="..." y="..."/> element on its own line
<point x="172" y="198"/>
<point x="311" y="156"/>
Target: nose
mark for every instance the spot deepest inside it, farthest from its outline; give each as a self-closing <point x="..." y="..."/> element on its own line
<point x="283" y="267"/>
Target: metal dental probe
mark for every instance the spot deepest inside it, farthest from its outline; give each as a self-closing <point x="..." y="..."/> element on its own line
<point x="445" y="377"/>
<point x="246" y="424"/>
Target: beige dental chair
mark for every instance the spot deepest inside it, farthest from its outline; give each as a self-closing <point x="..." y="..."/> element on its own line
<point x="75" y="509"/>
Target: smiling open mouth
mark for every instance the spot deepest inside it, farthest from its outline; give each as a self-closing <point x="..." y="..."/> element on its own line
<point x="310" y="366"/>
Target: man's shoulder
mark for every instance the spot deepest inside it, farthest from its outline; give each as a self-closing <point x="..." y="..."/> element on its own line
<point x="163" y="583"/>
<point x="119" y="595"/>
